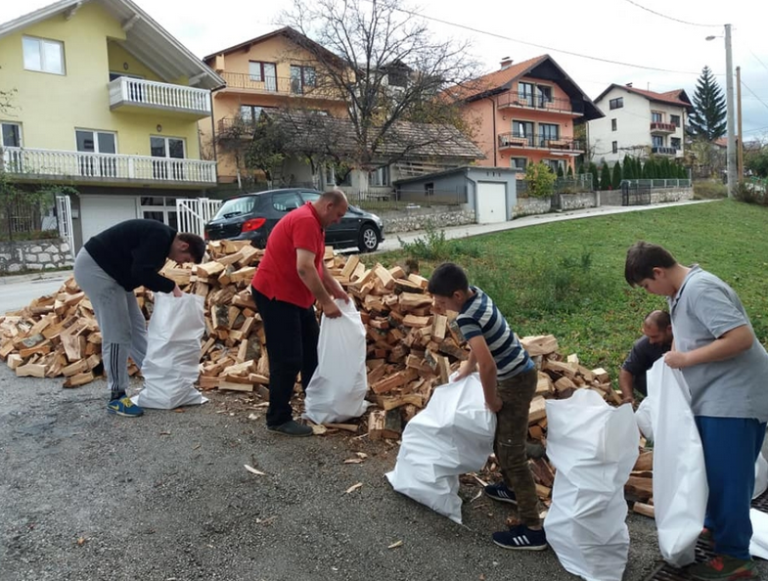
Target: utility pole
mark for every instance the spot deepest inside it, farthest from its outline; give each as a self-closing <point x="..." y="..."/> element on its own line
<point x="738" y="113"/>
<point x="731" y="129"/>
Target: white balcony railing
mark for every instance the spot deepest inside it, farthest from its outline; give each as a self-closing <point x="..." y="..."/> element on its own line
<point x="130" y="91"/>
<point x="95" y="167"/>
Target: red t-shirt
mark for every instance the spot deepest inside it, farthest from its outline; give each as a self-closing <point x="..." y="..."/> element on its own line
<point x="276" y="277"/>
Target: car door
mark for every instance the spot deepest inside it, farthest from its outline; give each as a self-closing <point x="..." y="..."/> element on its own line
<point x="345" y="232"/>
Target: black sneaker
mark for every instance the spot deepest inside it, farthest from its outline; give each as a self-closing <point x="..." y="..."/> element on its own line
<point x="291" y="428"/>
<point x="521" y="538"/>
<point x="500" y="492"/>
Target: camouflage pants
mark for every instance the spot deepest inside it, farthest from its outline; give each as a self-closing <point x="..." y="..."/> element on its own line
<point x="511" y="436"/>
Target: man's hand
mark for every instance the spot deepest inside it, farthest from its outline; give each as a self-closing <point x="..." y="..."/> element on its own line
<point x="676" y="359"/>
<point x="177" y="291"/>
<point x="495" y="404"/>
<point x="339" y="293"/>
<point x="330" y="310"/>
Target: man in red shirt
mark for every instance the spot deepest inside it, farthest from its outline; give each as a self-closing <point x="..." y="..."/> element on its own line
<point x="290" y="278"/>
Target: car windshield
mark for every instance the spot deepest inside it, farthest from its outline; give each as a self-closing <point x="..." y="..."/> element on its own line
<point x="236" y="207"/>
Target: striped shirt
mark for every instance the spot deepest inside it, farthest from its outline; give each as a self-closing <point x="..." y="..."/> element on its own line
<point x="480" y="316"/>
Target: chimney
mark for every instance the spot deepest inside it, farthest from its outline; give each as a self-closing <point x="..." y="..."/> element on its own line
<point x="629" y="85"/>
<point x="506" y="62"/>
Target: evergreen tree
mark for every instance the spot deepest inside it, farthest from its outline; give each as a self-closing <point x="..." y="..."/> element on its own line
<point x="560" y="171"/>
<point x="570" y="171"/>
<point x="708" y="119"/>
<point x="580" y="171"/>
<point x="616" y="181"/>
<point x="605" y="178"/>
<point x="628" y="169"/>
<point x="595" y="176"/>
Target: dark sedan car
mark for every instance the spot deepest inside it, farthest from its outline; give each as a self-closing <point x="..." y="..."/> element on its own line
<point x="253" y="216"/>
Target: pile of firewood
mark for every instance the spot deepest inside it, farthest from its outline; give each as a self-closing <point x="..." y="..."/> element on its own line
<point x="411" y="348"/>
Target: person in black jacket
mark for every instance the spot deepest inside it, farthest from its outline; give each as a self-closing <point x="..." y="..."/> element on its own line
<point x="108" y="269"/>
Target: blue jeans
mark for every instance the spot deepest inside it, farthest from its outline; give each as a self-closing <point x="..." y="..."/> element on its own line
<point x="731" y="447"/>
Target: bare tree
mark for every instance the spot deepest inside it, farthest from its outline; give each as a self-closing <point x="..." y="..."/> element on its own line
<point x="388" y="67"/>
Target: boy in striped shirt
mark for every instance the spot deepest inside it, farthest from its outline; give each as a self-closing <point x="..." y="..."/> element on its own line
<point x="509" y="380"/>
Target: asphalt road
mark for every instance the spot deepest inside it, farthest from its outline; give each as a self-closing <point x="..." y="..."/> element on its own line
<point x="89" y="496"/>
<point x="18" y="291"/>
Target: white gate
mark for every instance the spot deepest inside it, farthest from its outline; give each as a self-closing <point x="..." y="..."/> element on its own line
<point x="64" y="219"/>
<point x="194" y="213"/>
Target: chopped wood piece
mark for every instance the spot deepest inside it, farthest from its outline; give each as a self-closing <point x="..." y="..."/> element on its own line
<point x="79" y="379"/>
<point x="383" y="424"/>
<point x="644" y="509"/>
<point x="601" y="375"/>
<point x="538" y="410"/>
<point x="31" y="370"/>
<point x="539" y="344"/>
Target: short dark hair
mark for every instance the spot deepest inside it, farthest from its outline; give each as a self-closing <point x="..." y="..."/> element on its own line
<point x="642" y="258"/>
<point x="196" y="245"/>
<point x="447" y="279"/>
<point x="659" y="318"/>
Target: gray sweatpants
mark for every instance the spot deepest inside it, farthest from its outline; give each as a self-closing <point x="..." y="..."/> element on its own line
<point x="121" y="322"/>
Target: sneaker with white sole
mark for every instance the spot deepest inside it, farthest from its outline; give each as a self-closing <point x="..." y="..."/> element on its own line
<point x="521" y="538"/>
<point x="124" y="407"/>
<point x="500" y="492"/>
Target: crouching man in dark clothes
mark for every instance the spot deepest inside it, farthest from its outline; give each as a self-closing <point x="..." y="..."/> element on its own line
<point x="108" y="269"/>
<point x="655" y="342"/>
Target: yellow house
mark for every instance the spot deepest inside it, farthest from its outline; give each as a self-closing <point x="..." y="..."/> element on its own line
<point x="105" y="100"/>
<point x="270" y="72"/>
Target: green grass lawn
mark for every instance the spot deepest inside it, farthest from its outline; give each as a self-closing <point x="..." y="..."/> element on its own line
<point x="567" y="278"/>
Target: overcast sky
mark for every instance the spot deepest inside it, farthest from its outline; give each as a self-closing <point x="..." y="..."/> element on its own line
<point x="624" y="31"/>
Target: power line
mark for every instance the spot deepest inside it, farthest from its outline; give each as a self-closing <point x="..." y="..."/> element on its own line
<point x="543" y="47"/>
<point x="756" y="130"/>
<point x="674" y="19"/>
<point x="754" y="94"/>
<point x="757" y="58"/>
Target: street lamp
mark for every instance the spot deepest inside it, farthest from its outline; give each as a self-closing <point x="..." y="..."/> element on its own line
<point x="731" y="152"/>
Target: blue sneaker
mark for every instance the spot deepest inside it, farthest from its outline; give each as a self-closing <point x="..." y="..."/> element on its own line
<point x="521" y="538"/>
<point x="500" y="492"/>
<point x="124" y="407"/>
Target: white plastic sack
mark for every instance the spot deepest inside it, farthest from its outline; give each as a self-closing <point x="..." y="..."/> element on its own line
<point x="758" y="546"/>
<point x="643" y="418"/>
<point x="336" y="392"/>
<point x="173" y="353"/>
<point x="761" y="476"/>
<point x="453" y="435"/>
<point x="680" y="488"/>
<point x="593" y="448"/>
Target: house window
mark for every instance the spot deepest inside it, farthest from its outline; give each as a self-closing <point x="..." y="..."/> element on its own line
<point x="675" y="142"/>
<point x="43" y="55"/>
<point x="252" y="113"/>
<point x="170" y="149"/>
<point x="615" y="147"/>
<point x="614" y="124"/>
<point x="543" y="95"/>
<point x="96" y="142"/>
<point x="658" y="140"/>
<point x="518" y="163"/>
<point x="379" y="177"/>
<point x="554" y="164"/>
<point x="160" y="208"/>
<point x="266" y="73"/>
<point x="302" y="77"/>
<point x="657" y="117"/>
<point x="525" y="93"/>
<point x="429" y="189"/>
<point x="616" y="103"/>
<point x="523" y="129"/>
<point x="675" y="120"/>
<point x="548" y="132"/>
<point x="11" y="135"/>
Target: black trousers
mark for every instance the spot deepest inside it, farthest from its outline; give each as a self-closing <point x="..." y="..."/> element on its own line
<point x="291" y="333"/>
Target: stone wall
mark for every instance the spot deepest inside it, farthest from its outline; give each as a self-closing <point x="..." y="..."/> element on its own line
<point x="34" y="255"/>
<point x="530" y="206"/>
<point x="410" y="219"/>
<point x="579" y="201"/>
<point x="671" y="195"/>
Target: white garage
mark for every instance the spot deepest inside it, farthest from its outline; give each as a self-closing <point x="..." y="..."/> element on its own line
<point x="491" y="202"/>
<point x="97" y="213"/>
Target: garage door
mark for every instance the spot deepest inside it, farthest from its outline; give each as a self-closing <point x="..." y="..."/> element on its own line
<point x="97" y="213"/>
<point x="491" y="203"/>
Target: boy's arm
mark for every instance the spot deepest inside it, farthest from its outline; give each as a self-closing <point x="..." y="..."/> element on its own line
<point x="724" y="347"/>
<point x="468" y="367"/>
<point x="487" y="367"/>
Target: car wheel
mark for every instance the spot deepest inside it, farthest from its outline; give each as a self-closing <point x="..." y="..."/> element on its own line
<point x="368" y="239"/>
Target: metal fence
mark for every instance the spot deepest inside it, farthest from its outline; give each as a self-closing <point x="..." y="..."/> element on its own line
<point x="578" y="184"/>
<point x="660" y="184"/>
<point x="27" y="218"/>
<point x="404" y="199"/>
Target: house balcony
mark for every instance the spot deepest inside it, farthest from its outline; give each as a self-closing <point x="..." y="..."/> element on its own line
<point x="139" y="96"/>
<point x="538" y="142"/>
<point x="570" y="107"/>
<point x="279" y="86"/>
<point x="73" y="167"/>
<point x="235" y="127"/>
<point x="658" y="128"/>
<point x="658" y="150"/>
